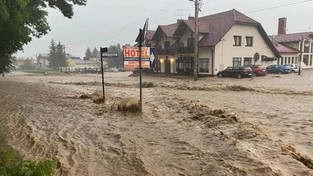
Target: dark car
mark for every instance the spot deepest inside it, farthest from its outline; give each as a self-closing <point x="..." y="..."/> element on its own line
<point x="237" y="72"/>
<point x="278" y="69"/>
<point x="258" y="70"/>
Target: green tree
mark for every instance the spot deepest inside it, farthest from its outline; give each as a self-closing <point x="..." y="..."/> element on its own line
<point x="88" y="54"/>
<point x="57" y="56"/>
<point x="61" y="58"/>
<point x="95" y="53"/>
<point x="28" y="65"/>
<point x="20" y="20"/>
<point x="115" y="62"/>
<point x="53" y="56"/>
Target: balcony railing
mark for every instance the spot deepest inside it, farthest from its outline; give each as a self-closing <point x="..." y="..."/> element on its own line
<point x="189" y="49"/>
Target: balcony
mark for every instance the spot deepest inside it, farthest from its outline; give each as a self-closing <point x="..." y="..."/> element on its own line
<point x="161" y="51"/>
<point x="185" y="50"/>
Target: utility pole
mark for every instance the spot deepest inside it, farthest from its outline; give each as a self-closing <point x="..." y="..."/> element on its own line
<point x="301" y="55"/>
<point x="196" y="39"/>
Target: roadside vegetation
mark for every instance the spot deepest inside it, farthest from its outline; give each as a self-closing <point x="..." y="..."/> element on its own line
<point x="12" y="163"/>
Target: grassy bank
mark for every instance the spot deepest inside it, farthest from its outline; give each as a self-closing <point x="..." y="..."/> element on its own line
<point x="12" y="163"/>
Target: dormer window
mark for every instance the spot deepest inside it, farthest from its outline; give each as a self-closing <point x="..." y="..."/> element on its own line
<point x="237" y="40"/>
<point x="249" y="41"/>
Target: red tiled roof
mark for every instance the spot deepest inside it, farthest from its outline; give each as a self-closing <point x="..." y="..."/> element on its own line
<point x="285" y="38"/>
<point x="150" y="34"/>
<point x="169" y="29"/>
<point x="285" y="49"/>
<point x="215" y="26"/>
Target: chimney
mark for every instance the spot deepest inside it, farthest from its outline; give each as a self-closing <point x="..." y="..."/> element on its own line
<point x="191" y="18"/>
<point x="282" y="24"/>
<point x="179" y="21"/>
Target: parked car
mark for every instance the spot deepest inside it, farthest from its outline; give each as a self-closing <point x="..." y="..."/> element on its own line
<point x="293" y="67"/>
<point x="237" y="72"/>
<point x="278" y="69"/>
<point x="121" y="69"/>
<point x="258" y="70"/>
<point x="112" y="69"/>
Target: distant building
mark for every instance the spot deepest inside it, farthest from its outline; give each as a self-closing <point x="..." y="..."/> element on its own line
<point x="42" y="61"/>
<point x="293" y="48"/>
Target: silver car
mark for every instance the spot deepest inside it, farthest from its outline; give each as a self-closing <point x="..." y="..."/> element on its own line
<point x="294" y="68"/>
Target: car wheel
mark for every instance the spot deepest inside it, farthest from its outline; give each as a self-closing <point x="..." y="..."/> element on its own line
<point x="239" y="76"/>
<point x="292" y="71"/>
<point x="220" y="75"/>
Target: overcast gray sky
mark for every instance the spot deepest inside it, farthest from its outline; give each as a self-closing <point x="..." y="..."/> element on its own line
<point x="107" y="22"/>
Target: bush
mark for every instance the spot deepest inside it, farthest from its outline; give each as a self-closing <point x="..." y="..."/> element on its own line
<point x="13" y="164"/>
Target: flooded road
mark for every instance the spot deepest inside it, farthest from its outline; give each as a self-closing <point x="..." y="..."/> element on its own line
<point x="212" y="127"/>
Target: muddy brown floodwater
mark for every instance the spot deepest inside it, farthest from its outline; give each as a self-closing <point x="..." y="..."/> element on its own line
<point x="257" y="127"/>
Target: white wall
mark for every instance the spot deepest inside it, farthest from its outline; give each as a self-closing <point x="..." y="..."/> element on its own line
<point x="225" y="51"/>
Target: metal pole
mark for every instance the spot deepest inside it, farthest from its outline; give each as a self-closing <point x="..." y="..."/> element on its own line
<point x="300" y="59"/>
<point x="195" y="65"/>
<point x="140" y="68"/>
<point x="102" y="72"/>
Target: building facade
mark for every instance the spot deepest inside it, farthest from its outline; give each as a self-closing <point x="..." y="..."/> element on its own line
<point x="225" y="39"/>
<point x="294" y="48"/>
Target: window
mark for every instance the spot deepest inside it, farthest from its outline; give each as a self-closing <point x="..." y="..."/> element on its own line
<point x="288" y="60"/>
<point x="167" y="44"/>
<point x="306" y="60"/>
<point x="249" y="41"/>
<point x="190" y="42"/>
<point x="307" y="47"/>
<point x="237" y="40"/>
<point x="236" y="61"/>
<point x="293" y="60"/>
<point x="204" y="65"/>
<point x="247" y="61"/>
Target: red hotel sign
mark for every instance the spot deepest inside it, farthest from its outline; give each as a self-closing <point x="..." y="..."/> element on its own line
<point x="131" y="57"/>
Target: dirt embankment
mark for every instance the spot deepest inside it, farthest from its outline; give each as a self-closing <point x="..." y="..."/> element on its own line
<point x="173" y="135"/>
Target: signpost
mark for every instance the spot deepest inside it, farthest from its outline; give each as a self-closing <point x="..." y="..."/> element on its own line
<point x="105" y="54"/>
<point x="103" y="51"/>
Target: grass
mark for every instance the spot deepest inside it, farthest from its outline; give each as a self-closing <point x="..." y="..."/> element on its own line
<point x="12" y="163"/>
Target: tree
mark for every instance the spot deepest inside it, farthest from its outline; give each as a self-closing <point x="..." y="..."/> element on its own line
<point x="28" y="65"/>
<point x="57" y="56"/>
<point x="53" y="56"/>
<point x="61" y="58"/>
<point x="115" y="62"/>
<point x="24" y="19"/>
<point x="95" y="53"/>
<point x="88" y="54"/>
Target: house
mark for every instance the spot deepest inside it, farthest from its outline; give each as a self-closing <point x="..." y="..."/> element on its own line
<point x="43" y="61"/>
<point x="225" y="39"/>
<point x="164" y="39"/>
<point x="148" y="40"/>
<point x="294" y="48"/>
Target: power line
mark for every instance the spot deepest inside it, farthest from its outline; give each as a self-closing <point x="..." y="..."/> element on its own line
<point x="270" y="8"/>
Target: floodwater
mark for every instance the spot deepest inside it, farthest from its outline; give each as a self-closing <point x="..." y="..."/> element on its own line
<point x="260" y="126"/>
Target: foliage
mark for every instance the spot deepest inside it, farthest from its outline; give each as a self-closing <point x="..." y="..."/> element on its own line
<point x="13" y="164"/>
<point x="95" y="53"/>
<point x="20" y="20"/>
<point x="27" y="65"/>
<point x="57" y="56"/>
<point x="5" y="63"/>
<point x="88" y="54"/>
<point x="115" y="62"/>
